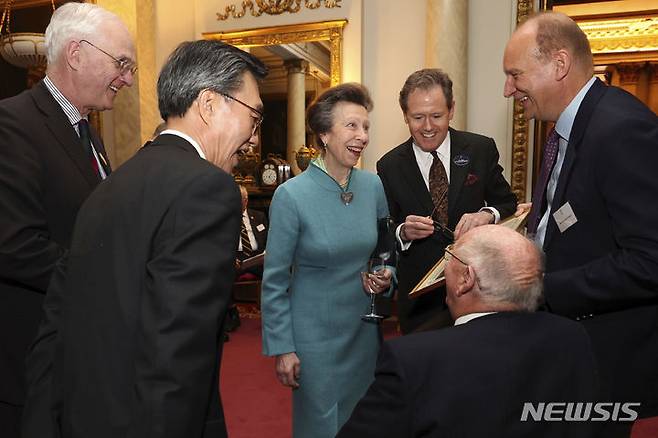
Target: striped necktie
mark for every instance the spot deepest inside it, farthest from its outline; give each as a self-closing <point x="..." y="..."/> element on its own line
<point x="246" y="243"/>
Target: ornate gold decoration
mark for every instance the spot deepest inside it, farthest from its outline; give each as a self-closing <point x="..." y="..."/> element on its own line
<point x="629" y="72"/>
<point x="520" y="125"/>
<point x="275" y="7"/>
<point x="295" y="33"/>
<point x="625" y="35"/>
<point x="304" y="155"/>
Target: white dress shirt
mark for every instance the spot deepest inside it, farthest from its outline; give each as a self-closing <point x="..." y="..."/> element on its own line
<point x="563" y="127"/>
<point x="471" y="316"/>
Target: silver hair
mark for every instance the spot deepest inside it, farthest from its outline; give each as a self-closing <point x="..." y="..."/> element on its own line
<point x="495" y="272"/>
<point x="73" y="22"/>
<point x="202" y="65"/>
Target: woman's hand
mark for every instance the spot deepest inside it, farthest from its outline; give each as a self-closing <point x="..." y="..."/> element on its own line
<point x="378" y="282"/>
<point x="288" y="369"/>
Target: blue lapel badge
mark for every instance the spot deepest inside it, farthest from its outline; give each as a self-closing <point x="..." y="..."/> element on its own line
<point x="461" y="160"/>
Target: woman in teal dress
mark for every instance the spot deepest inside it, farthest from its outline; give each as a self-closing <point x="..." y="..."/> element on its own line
<point x="323" y="230"/>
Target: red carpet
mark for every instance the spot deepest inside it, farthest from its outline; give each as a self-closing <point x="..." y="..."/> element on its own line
<point x="256" y="405"/>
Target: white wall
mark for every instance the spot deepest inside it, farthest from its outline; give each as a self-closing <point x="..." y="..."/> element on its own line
<point x="393" y="48"/>
<point x="488" y="112"/>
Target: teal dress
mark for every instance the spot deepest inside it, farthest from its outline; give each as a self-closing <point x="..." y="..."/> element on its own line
<point x="312" y="298"/>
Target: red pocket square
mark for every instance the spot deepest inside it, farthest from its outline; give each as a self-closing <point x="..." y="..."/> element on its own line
<point x="471" y="179"/>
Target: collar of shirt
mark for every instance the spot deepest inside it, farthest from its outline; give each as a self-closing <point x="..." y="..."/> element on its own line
<point x="69" y="109"/>
<point x="188" y="138"/>
<point x="425" y="159"/>
<point x="564" y="123"/>
<point x="470" y="316"/>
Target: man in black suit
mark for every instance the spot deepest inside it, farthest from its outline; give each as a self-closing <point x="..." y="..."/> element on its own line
<point x="138" y="310"/>
<point x="477" y="192"/>
<point x="474" y="379"/>
<point x="254" y="226"/>
<point x="598" y="222"/>
<point x="253" y="238"/>
<point x="47" y="170"/>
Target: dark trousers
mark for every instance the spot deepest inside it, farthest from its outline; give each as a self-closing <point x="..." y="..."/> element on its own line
<point x="10" y="420"/>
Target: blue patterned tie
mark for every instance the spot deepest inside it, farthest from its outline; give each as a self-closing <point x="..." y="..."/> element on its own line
<point x="539" y="195"/>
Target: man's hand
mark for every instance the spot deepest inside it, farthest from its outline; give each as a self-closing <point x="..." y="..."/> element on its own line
<point x="472" y="220"/>
<point x="522" y="208"/>
<point x="416" y="227"/>
<point x="288" y="369"/>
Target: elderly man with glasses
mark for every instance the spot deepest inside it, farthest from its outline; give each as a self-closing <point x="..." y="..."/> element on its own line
<point x="138" y="306"/>
<point x="473" y="379"/>
<point x="50" y="161"/>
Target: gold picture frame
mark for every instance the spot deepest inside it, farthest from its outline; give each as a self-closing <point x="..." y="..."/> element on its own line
<point x="331" y="31"/>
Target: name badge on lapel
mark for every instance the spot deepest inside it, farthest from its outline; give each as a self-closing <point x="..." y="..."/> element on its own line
<point x="565" y="217"/>
<point x="461" y="160"/>
<point x="260" y="227"/>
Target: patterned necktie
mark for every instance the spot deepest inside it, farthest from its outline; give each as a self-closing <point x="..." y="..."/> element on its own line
<point x="539" y="195"/>
<point x="439" y="189"/>
<point x="246" y="243"/>
<point x="85" y="138"/>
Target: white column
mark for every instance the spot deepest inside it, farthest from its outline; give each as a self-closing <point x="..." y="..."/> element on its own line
<point x="447" y="48"/>
<point x="297" y="69"/>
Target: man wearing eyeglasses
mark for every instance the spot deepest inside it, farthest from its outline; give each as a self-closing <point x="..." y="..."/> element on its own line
<point x="50" y="161"/>
<point x="138" y="308"/>
<point x="472" y="380"/>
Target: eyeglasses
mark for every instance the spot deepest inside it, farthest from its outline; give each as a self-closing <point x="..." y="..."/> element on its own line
<point x="123" y="65"/>
<point x="259" y="118"/>
<point x="449" y="250"/>
<point x="449" y="253"/>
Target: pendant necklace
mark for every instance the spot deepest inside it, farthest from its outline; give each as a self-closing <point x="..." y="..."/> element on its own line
<point x="345" y="196"/>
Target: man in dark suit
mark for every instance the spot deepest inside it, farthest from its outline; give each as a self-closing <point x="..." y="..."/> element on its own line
<point x="254" y="229"/>
<point x="596" y="215"/>
<point x="474" y="379"/>
<point x="48" y="167"/>
<point x="253" y="238"/>
<point x="474" y="191"/>
<point x="139" y="308"/>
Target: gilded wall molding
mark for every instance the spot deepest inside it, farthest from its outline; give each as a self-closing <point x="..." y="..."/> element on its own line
<point x="520" y="131"/>
<point x="622" y="35"/>
<point x="331" y="31"/>
<point x="274" y="7"/>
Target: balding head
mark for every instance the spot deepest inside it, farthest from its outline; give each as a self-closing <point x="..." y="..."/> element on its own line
<point x="547" y="61"/>
<point x="501" y="270"/>
<point x="556" y="31"/>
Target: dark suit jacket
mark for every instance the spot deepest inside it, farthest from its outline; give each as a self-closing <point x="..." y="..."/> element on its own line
<point x="138" y="314"/>
<point x="407" y="194"/>
<point x="603" y="270"/>
<point x="45" y="176"/>
<point x="472" y="380"/>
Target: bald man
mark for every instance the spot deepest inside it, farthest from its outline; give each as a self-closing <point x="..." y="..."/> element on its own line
<point x="474" y="378"/>
<point x="597" y="224"/>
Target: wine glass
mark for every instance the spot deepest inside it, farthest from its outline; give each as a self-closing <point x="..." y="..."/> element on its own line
<point x="376" y="266"/>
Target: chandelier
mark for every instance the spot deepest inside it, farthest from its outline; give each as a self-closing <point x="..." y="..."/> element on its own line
<point x="21" y="49"/>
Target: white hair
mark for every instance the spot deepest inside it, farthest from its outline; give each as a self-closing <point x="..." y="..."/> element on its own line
<point x="507" y="274"/>
<point x="73" y="21"/>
